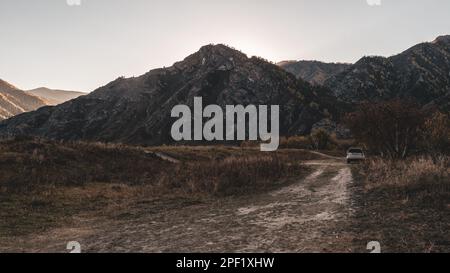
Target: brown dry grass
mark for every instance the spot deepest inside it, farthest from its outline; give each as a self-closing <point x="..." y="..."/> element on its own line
<point x="405" y="204"/>
<point x="232" y="175"/>
<point x="32" y="164"/>
<point x="410" y="176"/>
<point x="44" y="183"/>
<point x="335" y="146"/>
<point x="28" y="164"/>
<point x="218" y="152"/>
<point x="38" y="210"/>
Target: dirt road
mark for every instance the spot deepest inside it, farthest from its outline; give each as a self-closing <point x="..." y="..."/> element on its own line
<point x="309" y="215"/>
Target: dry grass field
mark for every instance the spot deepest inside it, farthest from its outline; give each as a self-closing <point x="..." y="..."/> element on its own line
<point x="52" y="191"/>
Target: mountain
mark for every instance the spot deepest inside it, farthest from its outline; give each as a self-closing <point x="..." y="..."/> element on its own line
<point x="138" y="110"/>
<point x="314" y="72"/>
<point x="54" y="96"/>
<point x="421" y="72"/>
<point x="14" y="101"/>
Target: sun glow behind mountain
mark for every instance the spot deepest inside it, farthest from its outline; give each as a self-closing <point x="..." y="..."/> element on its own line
<point x="82" y="45"/>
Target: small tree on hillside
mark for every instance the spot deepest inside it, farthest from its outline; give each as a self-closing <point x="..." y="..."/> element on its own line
<point x="391" y="128"/>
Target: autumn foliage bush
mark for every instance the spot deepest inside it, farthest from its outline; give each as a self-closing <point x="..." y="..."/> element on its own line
<point x="399" y="128"/>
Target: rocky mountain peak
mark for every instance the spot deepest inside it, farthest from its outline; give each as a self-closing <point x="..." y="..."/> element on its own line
<point x="442" y="39"/>
<point x="220" y="50"/>
<point x="215" y="57"/>
<point x="138" y="110"/>
<point x="314" y="72"/>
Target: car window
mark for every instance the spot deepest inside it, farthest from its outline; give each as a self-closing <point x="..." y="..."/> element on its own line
<point x="355" y="151"/>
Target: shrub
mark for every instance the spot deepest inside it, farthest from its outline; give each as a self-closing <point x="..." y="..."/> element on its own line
<point x="320" y="139"/>
<point x="436" y="134"/>
<point x="391" y="128"/>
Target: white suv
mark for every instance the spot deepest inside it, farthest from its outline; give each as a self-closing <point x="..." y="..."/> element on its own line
<point x="355" y="154"/>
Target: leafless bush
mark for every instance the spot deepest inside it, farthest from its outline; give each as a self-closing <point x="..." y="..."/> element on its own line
<point x="390" y="128"/>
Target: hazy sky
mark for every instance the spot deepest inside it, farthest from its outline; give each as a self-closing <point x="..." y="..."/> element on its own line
<point x="81" y="47"/>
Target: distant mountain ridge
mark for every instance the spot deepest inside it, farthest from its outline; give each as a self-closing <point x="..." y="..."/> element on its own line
<point x="137" y="110"/>
<point x="55" y="96"/>
<point x="14" y="101"/>
<point x="314" y="72"/>
<point x="421" y="73"/>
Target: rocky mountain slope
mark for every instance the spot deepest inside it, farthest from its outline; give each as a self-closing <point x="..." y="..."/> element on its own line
<point x="421" y="72"/>
<point x="54" y="96"/>
<point x="14" y="101"/>
<point x="137" y="110"/>
<point x="314" y="72"/>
